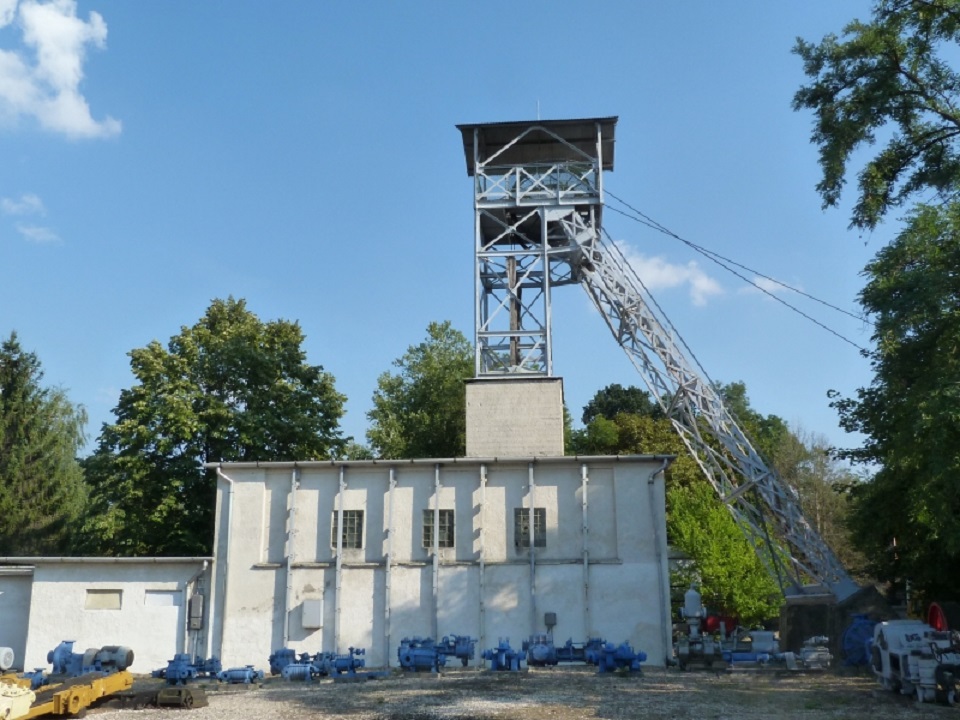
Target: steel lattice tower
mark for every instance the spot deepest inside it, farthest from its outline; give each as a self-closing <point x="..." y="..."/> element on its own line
<point x="538" y="199"/>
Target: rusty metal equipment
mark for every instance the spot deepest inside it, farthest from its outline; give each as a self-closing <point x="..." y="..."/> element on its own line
<point x="504" y="658"/>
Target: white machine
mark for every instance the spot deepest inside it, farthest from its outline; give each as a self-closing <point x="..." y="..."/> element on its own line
<point x="910" y="657"/>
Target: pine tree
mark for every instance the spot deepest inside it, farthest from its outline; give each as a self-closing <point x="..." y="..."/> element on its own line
<point x="41" y="483"/>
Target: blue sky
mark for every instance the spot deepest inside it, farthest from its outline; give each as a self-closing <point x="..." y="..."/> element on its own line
<point x="155" y="155"/>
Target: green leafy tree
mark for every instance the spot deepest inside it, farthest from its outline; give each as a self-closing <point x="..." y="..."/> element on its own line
<point x="730" y="573"/>
<point x="731" y="577"/>
<point x="767" y="433"/>
<point x="42" y="492"/>
<point x="229" y="388"/>
<point x="421" y="410"/>
<point x="615" y="398"/>
<point x="907" y="519"/>
<point x="887" y="84"/>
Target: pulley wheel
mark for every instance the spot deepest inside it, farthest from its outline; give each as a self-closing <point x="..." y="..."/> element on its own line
<point x="944" y="615"/>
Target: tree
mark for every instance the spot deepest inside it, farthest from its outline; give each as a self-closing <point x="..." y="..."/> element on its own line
<point x="907" y="519"/>
<point x="887" y="82"/>
<point x="732" y="577"/>
<point x="230" y="388"/>
<point x="767" y="433"/>
<point x="41" y="484"/>
<point x="615" y="398"/>
<point x="421" y="410"/>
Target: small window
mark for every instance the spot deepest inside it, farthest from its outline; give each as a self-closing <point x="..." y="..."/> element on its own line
<point x="445" y="535"/>
<point x="521" y="527"/>
<point x="352" y="534"/>
<point x="162" y="598"/>
<point x="103" y="599"/>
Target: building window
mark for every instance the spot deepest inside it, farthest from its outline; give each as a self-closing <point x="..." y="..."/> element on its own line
<point x="352" y="534"/>
<point x="521" y="527"/>
<point x="445" y="534"/>
<point x="162" y="598"/>
<point x="103" y="600"/>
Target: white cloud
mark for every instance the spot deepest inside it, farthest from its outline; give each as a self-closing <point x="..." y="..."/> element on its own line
<point x="49" y="88"/>
<point x="8" y="9"/>
<point x="658" y="274"/>
<point x="39" y="235"/>
<point x="26" y="204"/>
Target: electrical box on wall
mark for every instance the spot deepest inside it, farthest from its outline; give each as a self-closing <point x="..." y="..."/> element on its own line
<point x="311" y="612"/>
<point x="195" y="612"/>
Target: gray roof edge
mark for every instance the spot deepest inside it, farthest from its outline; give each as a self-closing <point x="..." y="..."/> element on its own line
<point x="466" y="461"/>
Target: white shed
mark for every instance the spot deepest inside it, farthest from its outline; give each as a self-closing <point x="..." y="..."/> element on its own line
<point x="141" y="603"/>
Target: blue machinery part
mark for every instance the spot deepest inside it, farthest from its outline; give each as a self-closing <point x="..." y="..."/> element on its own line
<point x="856" y="641"/>
<point x="37" y="678"/>
<point x="541" y="651"/>
<point x="279" y="659"/>
<point x="286" y="662"/>
<point x="183" y="669"/>
<point x="333" y="664"/>
<point x="423" y="654"/>
<point x="66" y="663"/>
<point x="503" y="657"/>
<point x="108" y="659"/>
<point x="299" y="672"/>
<point x="609" y="657"/>
<point x="238" y="675"/>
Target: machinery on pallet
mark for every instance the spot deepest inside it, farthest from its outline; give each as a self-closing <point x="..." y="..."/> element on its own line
<point x="66" y="664"/>
<point x="184" y="668"/>
<point x="109" y="658"/>
<point x="76" y="681"/>
<point x="423" y="654"/>
<point x="70" y="697"/>
<point x="913" y="658"/>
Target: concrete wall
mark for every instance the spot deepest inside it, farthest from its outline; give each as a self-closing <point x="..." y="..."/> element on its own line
<point x="603" y="569"/>
<point x="519" y="417"/>
<point x="75" y="601"/>
<point x="15" y="587"/>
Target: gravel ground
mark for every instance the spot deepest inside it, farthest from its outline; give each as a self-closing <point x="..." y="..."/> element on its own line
<point x="563" y="693"/>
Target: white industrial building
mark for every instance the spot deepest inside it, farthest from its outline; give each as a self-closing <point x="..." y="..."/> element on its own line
<point x="438" y="547"/>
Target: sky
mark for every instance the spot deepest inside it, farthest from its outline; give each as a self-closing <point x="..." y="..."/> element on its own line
<point x="303" y="155"/>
